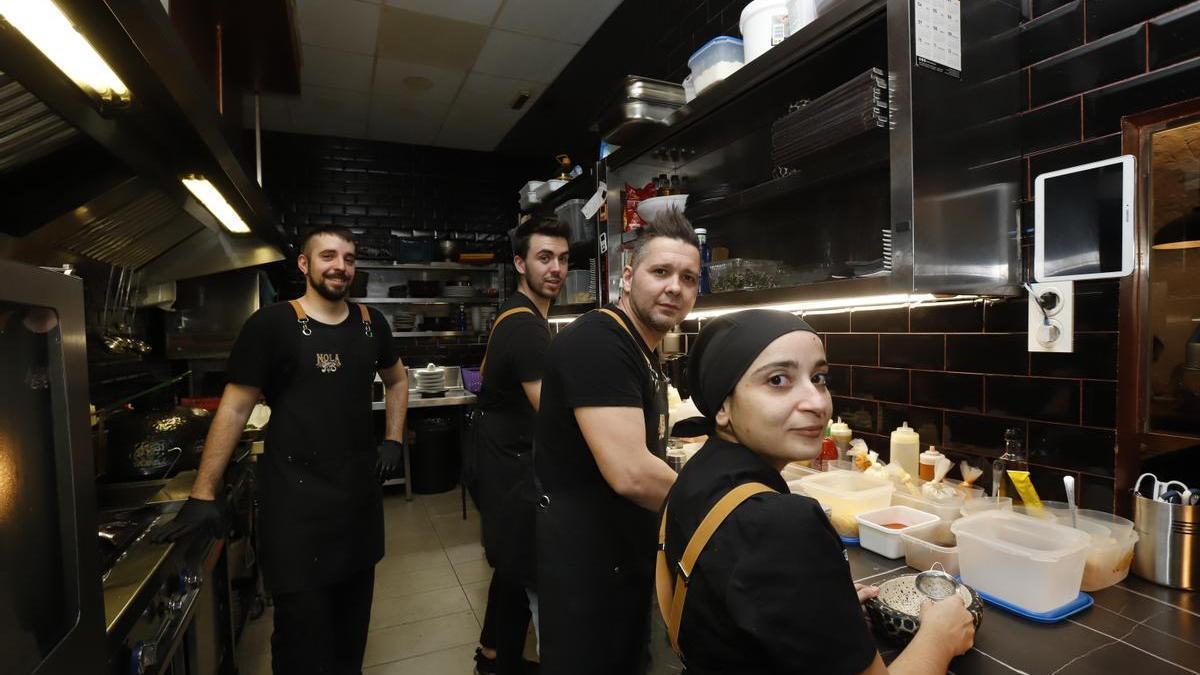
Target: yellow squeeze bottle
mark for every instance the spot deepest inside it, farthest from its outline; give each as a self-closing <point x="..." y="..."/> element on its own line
<point x="1024" y="487"/>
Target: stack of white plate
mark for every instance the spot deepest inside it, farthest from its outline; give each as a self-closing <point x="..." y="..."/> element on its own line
<point x="404" y="322"/>
<point x="431" y="379"/>
<point x="459" y="291"/>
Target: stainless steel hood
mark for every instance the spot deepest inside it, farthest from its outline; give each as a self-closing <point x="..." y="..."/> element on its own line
<point x="122" y="203"/>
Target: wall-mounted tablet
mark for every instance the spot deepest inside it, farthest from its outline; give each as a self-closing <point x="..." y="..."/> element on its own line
<point x="1083" y="225"/>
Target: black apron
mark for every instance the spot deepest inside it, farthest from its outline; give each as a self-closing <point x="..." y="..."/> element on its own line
<point x="321" y="508"/>
<point x="596" y="556"/>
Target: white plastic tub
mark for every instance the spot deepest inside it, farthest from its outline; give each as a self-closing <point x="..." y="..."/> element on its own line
<point x="847" y="494"/>
<point x="800" y="14"/>
<point x="1108" y="562"/>
<point x="719" y="58"/>
<point x="873" y="534"/>
<point x="946" y="509"/>
<point x="931" y="543"/>
<point x="764" y="24"/>
<point x="978" y="505"/>
<point x="545" y="189"/>
<point x="1034" y="564"/>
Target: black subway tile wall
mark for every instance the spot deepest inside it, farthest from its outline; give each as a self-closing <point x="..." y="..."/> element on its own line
<point x="1173" y="36"/>
<point x="387" y="188"/>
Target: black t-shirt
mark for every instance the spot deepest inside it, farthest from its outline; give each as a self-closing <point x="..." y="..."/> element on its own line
<point x="772" y="591"/>
<point x="516" y="353"/>
<point x="321" y="517"/>
<point x="593" y="363"/>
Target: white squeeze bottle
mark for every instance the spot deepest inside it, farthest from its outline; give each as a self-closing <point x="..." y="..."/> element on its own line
<point x="906" y="449"/>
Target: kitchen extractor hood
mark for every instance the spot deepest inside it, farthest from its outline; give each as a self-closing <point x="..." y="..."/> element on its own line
<point x="85" y="180"/>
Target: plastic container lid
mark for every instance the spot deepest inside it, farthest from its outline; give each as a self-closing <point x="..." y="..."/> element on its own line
<point x="723" y="41"/>
<point x="1021" y="535"/>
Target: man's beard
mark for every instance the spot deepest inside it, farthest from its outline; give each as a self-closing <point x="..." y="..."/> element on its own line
<point x="647" y="316"/>
<point x="319" y="284"/>
<point x="539" y="288"/>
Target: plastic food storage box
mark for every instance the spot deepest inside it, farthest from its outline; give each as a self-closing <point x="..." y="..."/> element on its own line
<point x="1034" y="564"/>
<point x="847" y="494"/>
<point x="571" y="213"/>
<point x="528" y="194"/>
<point x="931" y="543"/>
<point x="719" y="58"/>
<point x="949" y="509"/>
<point x="1110" y="553"/>
<point x="873" y="534"/>
<point x="544" y="190"/>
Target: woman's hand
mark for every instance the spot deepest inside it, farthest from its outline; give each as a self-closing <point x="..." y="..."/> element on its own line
<point x="950" y="623"/>
<point x="865" y="592"/>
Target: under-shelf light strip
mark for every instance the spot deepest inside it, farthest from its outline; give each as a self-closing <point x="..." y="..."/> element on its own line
<point x="832" y="306"/>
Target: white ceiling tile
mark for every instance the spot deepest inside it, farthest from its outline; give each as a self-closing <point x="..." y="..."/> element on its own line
<point x="398" y="78"/>
<point x="333" y="68"/>
<point x="489" y="97"/>
<point x="473" y="11"/>
<point x="572" y="22"/>
<point x="348" y="25"/>
<point x="524" y="57"/>
<point x="397" y="119"/>
<point x="331" y="112"/>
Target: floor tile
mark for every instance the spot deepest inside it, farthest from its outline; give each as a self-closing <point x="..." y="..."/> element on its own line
<point x="421" y="637"/>
<point x="396" y="584"/>
<point x="400" y="560"/>
<point x="256" y="636"/>
<point x="453" y="661"/>
<point x="395" y="610"/>
<point x="473" y="571"/>
<point x="462" y="552"/>
<point x="477" y="594"/>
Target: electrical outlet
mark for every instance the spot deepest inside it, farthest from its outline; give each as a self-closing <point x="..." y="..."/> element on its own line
<point x="1054" y="329"/>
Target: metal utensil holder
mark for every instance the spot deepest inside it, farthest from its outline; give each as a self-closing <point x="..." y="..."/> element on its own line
<point x="1166" y="552"/>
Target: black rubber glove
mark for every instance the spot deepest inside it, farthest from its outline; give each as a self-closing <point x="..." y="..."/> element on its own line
<point x="197" y="515"/>
<point x="389" y="458"/>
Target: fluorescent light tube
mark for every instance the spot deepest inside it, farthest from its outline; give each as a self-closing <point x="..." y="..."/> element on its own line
<point x="44" y="25"/>
<point x="214" y="201"/>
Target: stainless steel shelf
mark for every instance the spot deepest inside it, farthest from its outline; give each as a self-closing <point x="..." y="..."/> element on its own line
<point x="426" y="267"/>
<point x="426" y="301"/>
<point x="433" y="333"/>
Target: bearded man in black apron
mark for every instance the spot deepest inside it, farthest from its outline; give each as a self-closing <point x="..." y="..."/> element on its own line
<point x="599" y="457"/>
<point x="503" y="441"/>
<point x="321" y="511"/>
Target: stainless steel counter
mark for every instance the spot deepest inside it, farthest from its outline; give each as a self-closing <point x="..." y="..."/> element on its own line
<point x="457" y="396"/>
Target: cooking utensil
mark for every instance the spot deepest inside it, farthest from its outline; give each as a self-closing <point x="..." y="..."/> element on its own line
<point x="896" y="611"/>
<point x="1158" y="489"/>
<point x="936" y="583"/>
<point x="1069" y="484"/>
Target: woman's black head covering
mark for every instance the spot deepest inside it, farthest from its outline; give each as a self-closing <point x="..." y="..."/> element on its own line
<point x="726" y="347"/>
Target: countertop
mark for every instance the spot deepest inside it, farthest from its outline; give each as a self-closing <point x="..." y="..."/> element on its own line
<point x="1134" y="627"/>
<point x="454" y="396"/>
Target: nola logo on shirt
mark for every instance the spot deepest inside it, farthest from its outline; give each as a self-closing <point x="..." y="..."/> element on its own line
<point x="329" y="363"/>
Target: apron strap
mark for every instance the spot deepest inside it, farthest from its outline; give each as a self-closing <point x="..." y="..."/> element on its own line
<point x="503" y="315"/>
<point x="670" y="602"/>
<point x="366" y="319"/>
<point x="301" y="317"/>
<point x="621" y="322"/>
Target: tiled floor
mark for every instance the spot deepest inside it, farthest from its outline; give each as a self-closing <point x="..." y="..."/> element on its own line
<point x="430" y="596"/>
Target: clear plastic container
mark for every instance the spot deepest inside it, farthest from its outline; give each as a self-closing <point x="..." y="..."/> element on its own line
<point x="796" y="471"/>
<point x="980" y="504"/>
<point x="931" y="543"/>
<point x="874" y="535"/>
<point x="847" y="494"/>
<point x="571" y="213"/>
<point x="946" y="509"/>
<point x="578" y="287"/>
<point x="738" y="274"/>
<point x="544" y="190"/>
<point x="719" y="58"/>
<point x="1034" y="564"/>
<point x="1108" y="562"/>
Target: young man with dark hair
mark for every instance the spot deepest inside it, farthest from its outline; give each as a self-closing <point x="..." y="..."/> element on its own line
<point x="508" y="401"/>
<point x="600" y="448"/>
<point x="321" y="511"/>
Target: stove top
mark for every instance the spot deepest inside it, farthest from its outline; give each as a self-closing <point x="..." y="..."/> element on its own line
<point x="118" y="530"/>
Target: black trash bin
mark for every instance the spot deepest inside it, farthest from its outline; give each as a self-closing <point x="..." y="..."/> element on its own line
<point x="436" y="459"/>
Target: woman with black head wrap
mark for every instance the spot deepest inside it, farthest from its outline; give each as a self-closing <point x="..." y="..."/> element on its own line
<point x="771" y="590"/>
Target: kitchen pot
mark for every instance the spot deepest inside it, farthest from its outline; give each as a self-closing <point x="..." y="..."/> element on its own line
<point x="155" y="444"/>
<point x="448" y="249"/>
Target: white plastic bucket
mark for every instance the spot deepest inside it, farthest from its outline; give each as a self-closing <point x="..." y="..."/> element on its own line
<point x="764" y="24"/>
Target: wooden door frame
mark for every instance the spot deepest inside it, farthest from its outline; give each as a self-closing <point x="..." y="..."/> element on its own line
<point x="1134" y="440"/>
